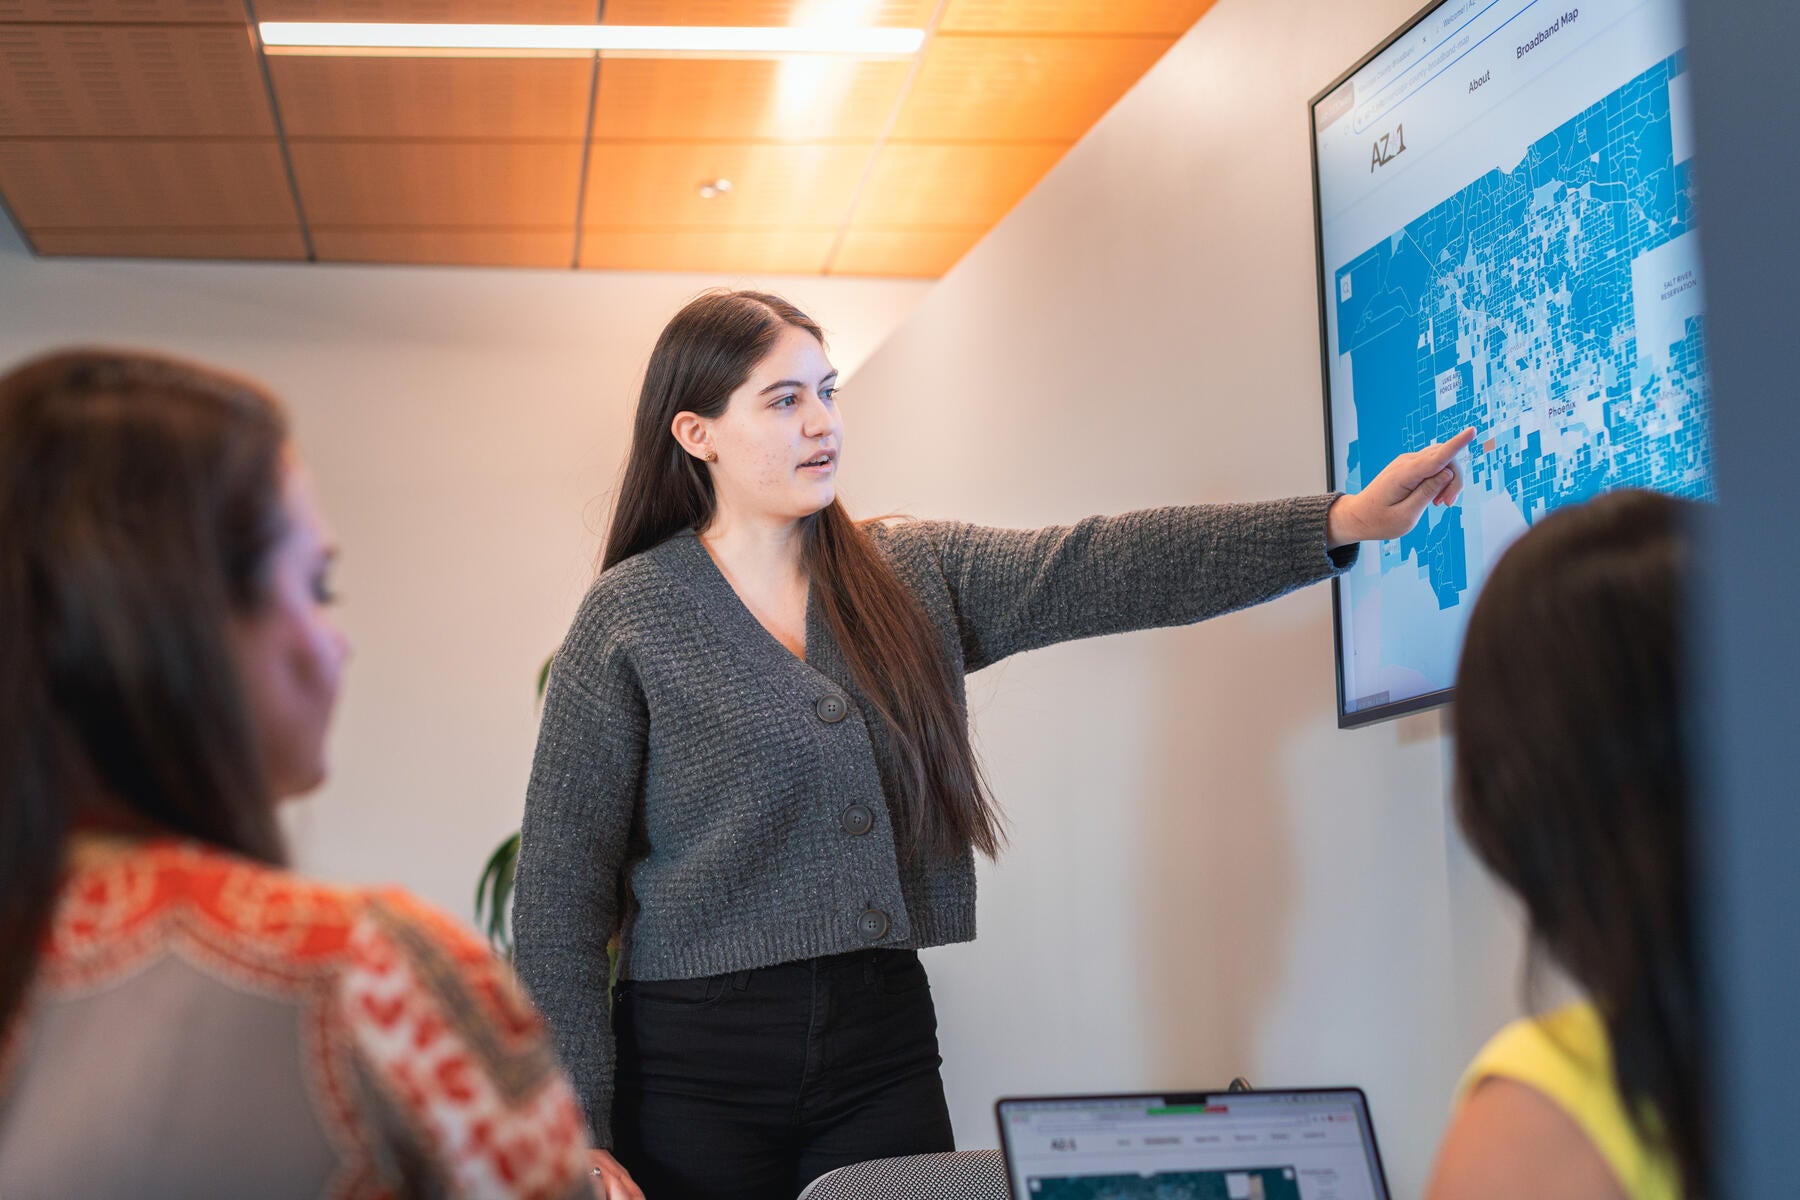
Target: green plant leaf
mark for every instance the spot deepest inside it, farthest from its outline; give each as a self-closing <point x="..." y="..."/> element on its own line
<point x="493" y="894"/>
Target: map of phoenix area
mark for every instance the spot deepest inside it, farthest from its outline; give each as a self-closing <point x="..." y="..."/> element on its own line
<point x="1556" y="308"/>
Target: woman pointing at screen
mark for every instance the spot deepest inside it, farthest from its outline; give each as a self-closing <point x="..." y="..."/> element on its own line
<point x="755" y="765"/>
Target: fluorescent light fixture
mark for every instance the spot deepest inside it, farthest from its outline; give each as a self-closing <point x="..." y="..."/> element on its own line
<point x="660" y="41"/>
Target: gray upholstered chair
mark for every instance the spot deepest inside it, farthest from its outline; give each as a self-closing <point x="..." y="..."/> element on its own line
<point x="962" y="1175"/>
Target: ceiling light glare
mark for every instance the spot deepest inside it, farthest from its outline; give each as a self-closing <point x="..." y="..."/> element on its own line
<point x="663" y="41"/>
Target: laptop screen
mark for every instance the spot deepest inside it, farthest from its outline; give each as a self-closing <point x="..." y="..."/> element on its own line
<point x="1290" y="1145"/>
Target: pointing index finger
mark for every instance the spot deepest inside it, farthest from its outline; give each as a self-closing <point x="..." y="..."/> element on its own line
<point x="1436" y="456"/>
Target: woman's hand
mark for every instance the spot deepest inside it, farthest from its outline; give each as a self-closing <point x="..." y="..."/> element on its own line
<point x="611" y="1181"/>
<point x="1392" y="503"/>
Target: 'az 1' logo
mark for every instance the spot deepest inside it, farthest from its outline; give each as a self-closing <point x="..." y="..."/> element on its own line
<point x="1389" y="147"/>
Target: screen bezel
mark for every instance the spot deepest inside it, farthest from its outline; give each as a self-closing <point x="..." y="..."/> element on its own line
<point x="1362" y="1100"/>
<point x="1427" y="700"/>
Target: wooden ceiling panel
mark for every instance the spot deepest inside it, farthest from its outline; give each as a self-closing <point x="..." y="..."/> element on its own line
<point x="433" y="97"/>
<point x="797" y="100"/>
<point x="1170" y="17"/>
<point x="130" y="80"/>
<point x="915" y="253"/>
<point x="656" y="184"/>
<point x="140" y="183"/>
<point x="852" y="14"/>
<point x="943" y="186"/>
<point x="253" y="244"/>
<point x="1017" y="89"/>
<point x="477" y="184"/>
<point x="750" y="251"/>
<point x="460" y="247"/>
<point x="143" y="128"/>
<point x="495" y="12"/>
<point x="186" y="12"/>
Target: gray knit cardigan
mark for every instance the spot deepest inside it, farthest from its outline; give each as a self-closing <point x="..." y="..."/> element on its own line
<point x="694" y="781"/>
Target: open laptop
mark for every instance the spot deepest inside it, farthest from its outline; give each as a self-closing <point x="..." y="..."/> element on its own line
<point x="1303" y="1144"/>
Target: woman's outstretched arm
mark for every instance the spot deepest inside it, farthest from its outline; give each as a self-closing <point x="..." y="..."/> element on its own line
<point x="1016" y="590"/>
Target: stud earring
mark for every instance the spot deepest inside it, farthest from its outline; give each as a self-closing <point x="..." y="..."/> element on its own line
<point x="712" y="455"/>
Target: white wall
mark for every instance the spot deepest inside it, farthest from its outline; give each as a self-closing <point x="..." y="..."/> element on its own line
<point x="1207" y="877"/>
<point x="465" y="428"/>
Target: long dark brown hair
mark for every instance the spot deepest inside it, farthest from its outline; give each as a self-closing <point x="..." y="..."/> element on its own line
<point x="704" y="354"/>
<point x="1572" y="783"/>
<point x="139" y="500"/>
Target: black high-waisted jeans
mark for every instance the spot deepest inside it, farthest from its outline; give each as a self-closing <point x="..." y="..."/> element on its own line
<point x="748" y="1086"/>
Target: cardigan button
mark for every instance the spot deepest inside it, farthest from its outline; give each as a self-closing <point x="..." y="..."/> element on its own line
<point x="831" y="709"/>
<point x="873" y="925"/>
<point x="857" y="820"/>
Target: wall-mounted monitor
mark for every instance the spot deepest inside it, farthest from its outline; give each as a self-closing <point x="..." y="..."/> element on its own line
<point x="1505" y="202"/>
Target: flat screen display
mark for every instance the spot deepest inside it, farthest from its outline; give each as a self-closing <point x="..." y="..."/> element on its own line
<point x="1310" y="1144"/>
<point x="1506" y="219"/>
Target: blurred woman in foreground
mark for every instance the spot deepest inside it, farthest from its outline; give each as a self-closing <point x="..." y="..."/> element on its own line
<point x="179" y="1016"/>
<point x="1572" y="785"/>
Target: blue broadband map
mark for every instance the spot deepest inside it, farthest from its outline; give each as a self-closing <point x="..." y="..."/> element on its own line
<point x="1556" y="308"/>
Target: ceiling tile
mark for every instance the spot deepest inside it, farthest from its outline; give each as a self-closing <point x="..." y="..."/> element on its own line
<point x="225" y="12"/>
<point x="481" y="184"/>
<point x="943" y="186"/>
<point x="462" y="247"/>
<point x="433" y="97"/>
<point x="851" y="14"/>
<point x="126" y="80"/>
<point x="750" y="251"/>
<point x="656" y="184"/>
<point x="136" y="128"/>
<point x="916" y="253"/>
<point x="283" y="244"/>
<point x="1020" y="88"/>
<point x="797" y="100"/>
<point x="137" y="184"/>
<point x="1171" y="17"/>
<point x="496" y="12"/>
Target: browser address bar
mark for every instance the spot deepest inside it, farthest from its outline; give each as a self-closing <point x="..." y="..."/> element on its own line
<point x="1236" y="1124"/>
<point x="1457" y="45"/>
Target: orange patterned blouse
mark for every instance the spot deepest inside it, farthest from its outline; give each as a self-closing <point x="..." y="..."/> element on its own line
<point x="202" y="1025"/>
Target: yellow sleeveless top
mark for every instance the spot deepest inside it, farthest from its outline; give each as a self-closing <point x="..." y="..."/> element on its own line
<point x="1566" y="1056"/>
